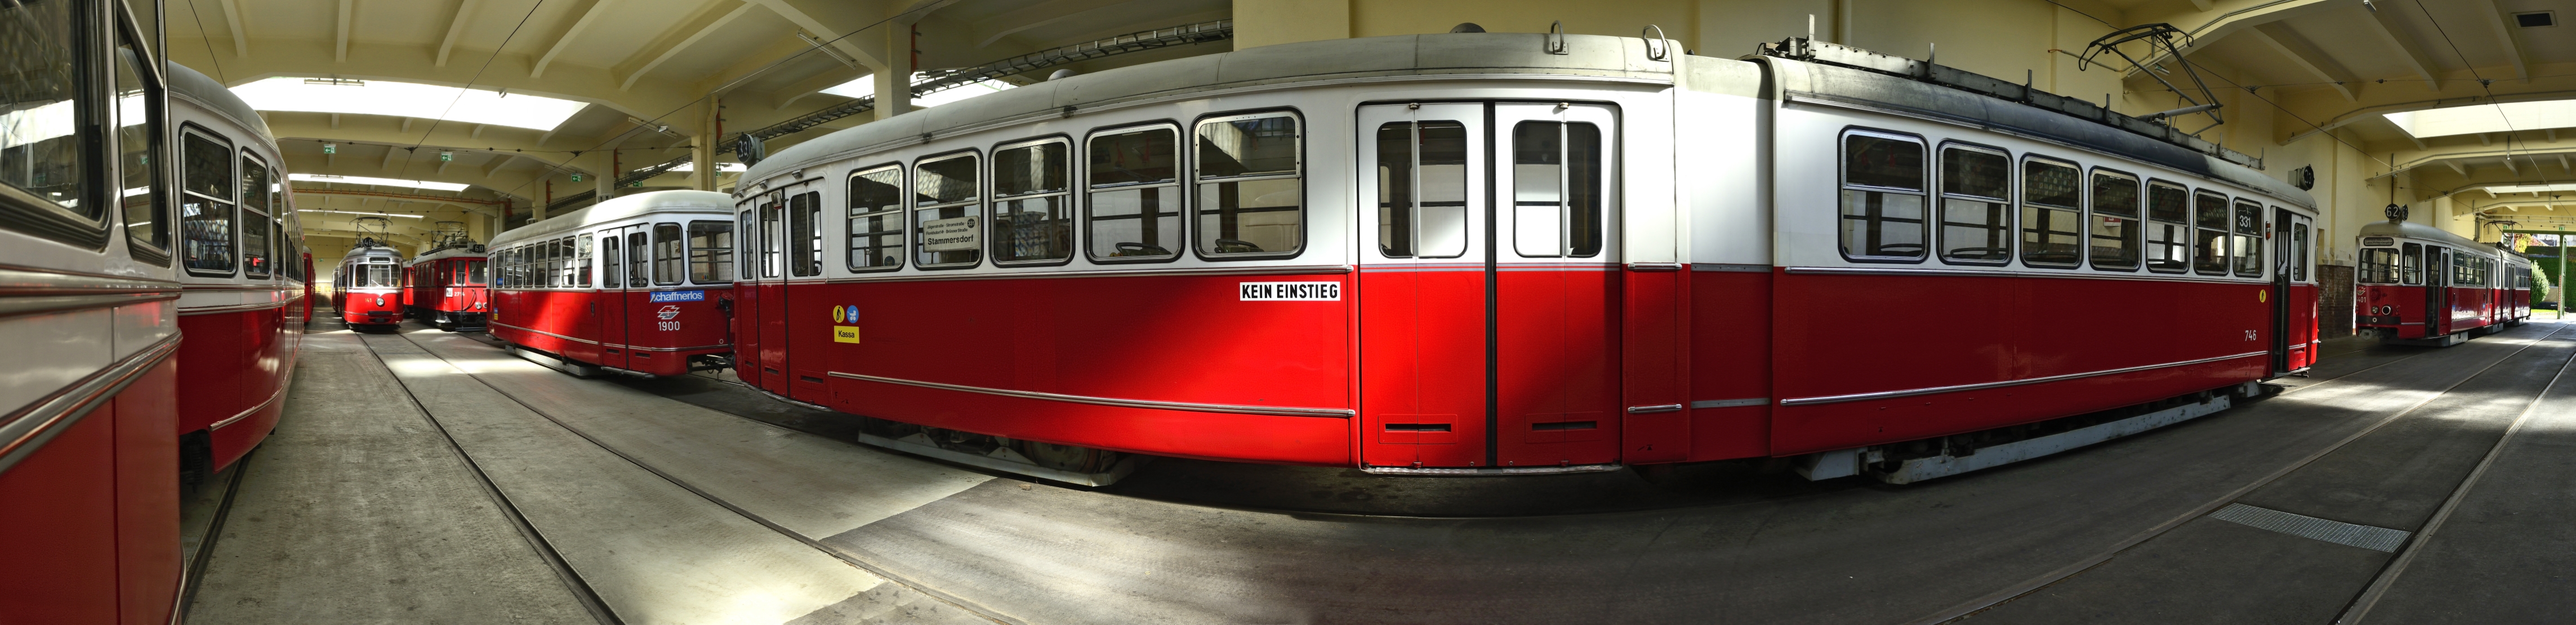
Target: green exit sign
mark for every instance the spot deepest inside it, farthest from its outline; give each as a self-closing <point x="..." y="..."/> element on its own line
<point x="576" y="177"/>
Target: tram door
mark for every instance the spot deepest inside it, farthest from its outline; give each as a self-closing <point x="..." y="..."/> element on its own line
<point x="2437" y="291"/>
<point x="625" y="269"/>
<point x="771" y="291"/>
<point x="1487" y="311"/>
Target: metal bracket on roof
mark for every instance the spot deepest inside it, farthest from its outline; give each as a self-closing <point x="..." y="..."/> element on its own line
<point x="1655" y="48"/>
<point x="1555" y="43"/>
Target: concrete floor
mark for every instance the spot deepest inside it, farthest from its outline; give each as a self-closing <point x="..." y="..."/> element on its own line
<point x="427" y="477"/>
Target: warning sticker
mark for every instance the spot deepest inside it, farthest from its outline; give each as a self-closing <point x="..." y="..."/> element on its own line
<point x="845" y="334"/>
<point x="1289" y="291"/>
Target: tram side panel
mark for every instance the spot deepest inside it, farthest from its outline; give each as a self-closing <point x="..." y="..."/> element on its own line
<point x="1723" y="185"/>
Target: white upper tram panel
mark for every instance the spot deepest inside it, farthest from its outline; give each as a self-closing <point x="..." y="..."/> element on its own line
<point x="615" y="210"/>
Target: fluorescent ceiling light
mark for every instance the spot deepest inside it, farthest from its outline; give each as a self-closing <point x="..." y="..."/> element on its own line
<point x="424" y="184"/>
<point x="2508" y="117"/>
<point x="403" y="99"/>
<point x="720" y="167"/>
<point x="317" y="210"/>
<point x="2530" y="188"/>
<point x="866" y="86"/>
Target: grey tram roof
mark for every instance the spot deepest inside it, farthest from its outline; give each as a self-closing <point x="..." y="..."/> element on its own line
<point x="368" y="247"/>
<point x="614" y="209"/>
<point x="1823" y="73"/>
<point x="2412" y="230"/>
<point x="196" y="87"/>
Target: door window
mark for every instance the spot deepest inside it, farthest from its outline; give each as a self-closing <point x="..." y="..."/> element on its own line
<point x="638" y="269"/>
<point x="611" y="263"/>
<point x="804" y="237"/>
<point x="1556" y="189"/>
<point x="1422" y="189"/>
<point x="770" y="213"/>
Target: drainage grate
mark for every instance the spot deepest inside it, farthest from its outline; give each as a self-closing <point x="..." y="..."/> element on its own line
<point x="2337" y="532"/>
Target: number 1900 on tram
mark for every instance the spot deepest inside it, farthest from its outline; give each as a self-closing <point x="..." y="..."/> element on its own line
<point x="1493" y="253"/>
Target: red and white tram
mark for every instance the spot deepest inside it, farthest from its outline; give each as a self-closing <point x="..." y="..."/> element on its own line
<point x="1511" y="253"/>
<point x="448" y="286"/>
<point x="637" y="285"/>
<point x="239" y="256"/>
<point x="2408" y="270"/>
<point x="366" y="289"/>
<point x="117" y="239"/>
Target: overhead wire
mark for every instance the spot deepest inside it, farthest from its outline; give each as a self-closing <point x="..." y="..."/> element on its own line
<point x="209" y="40"/>
<point x="2510" y="133"/>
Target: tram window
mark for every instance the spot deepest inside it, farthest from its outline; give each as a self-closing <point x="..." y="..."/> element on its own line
<point x="1422" y="189"/>
<point x="876" y="219"/>
<point x="256" y="256"/>
<point x="1251" y="191"/>
<point x="804" y="238"/>
<point x="2249" y="239"/>
<point x="2052" y="214"/>
<point x="378" y="275"/>
<point x="1882" y="198"/>
<point x="2461" y="273"/>
<point x="471" y="272"/>
<point x="2168" y="228"/>
<point x="2209" y="248"/>
<point x="581" y="250"/>
<point x="2114" y="228"/>
<point x="772" y="210"/>
<point x="611" y="263"/>
<point x="638" y="269"/>
<point x="2411" y="268"/>
<point x="41" y="148"/>
<point x="551" y="271"/>
<point x="2299" y="252"/>
<point x="206" y="212"/>
<point x="138" y="137"/>
<point x="670" y="257"/>
<point x="1976" y="206"/>
<point x="1032" y="211"/>
<point x="710" y="252"/>
<point x="947" y="214"/>
<point x="1556" y="189"/>
<point x="1135" y="200"/>
<point x="2378" y="266"/>
<point x="742" y="223"/>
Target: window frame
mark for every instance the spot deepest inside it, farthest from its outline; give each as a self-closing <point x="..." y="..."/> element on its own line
<point x="1938" y="219"/>
<point x="2253" y="243"/>
<point x="679" y="246"/>
<point x="2226" y="233"/>
<point x="902" y="211"/>
<point x="804" y="258"/>
<point x="2082" y="210"/>
<point x="93" y="139"/>
<point x="2392" y="270"/>
<point x="1842" y="177"/>
<point x="1181" y="189"/>
<point x="689" y="232"/>
<point x="267" y="214"/>
<point x="2147" y="212"/>
<point x="178" y="216"/>
<point x="1190" y="181"/>
<point x="1072" y="187"/>
<point x="155" y="83"/>
<point x="2091" y="216"/>
<point x="913" y="207"/>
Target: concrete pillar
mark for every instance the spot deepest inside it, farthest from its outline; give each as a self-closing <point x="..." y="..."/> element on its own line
<point x="893" y="87"/>
<point x="1270" y="22"/>
<point x="702" y="158"/>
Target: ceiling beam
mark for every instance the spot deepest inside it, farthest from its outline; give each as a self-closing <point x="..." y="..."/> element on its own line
<point x="455" y="28"/>
<point x="597" y="9"/>
<point x="806" y="19"/>
<point x="2306" y="56"/>
<point x="498" y="161"/>
<point x="687" y="33"/>
<point x="2506" y="34"/>
<point x="390" y="151"/>
<point x="232" y="18"/>
<point x="1007" y="23"/>
<point x="2393" y="33"/>
<point x="340" y="53"/>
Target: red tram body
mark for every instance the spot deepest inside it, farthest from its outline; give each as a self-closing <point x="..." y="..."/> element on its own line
<point x="366" y="289"/>
<point x="1505" y="253"/>
<point x="449" y="286"/>
<point x="152" y="265"/>
<point x="2407" y="269"/>
<point x="655" y="303"/>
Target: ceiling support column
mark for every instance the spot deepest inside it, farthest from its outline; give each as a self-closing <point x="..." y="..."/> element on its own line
<point x="702" y="154"/>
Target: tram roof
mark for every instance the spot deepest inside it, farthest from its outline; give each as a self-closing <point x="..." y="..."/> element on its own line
<point x="446" y="253"/>
<point x="1310" y="61"/>
<point x="2412" y="230"/>
<point x="204" y="91"/>
<point x="615" y="209"/>
<point x="369" y="248"/>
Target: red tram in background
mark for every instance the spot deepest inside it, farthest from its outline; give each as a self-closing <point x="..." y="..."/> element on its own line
<point x="2421" y="285"/>
<point x="367" y="287"/>
<point x="143" y="258"/>
<point x="639" y="285"/>
<point x="448" y="286"/>
<point x="1498" y="253"/>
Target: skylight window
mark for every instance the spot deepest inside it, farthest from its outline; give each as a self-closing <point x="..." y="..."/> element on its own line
<point x="2508" y="117"/>
<point x="377" y="97"/>
<point x="390" y="182"/>
<point x="866" y="86"/>
<point x="722" y="168"/>
<point x="2529" y="188"/>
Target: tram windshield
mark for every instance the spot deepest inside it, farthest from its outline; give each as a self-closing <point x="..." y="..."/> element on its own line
<point x="470" y="272"/>
<point x="374" y="275"/>
<point x="2378" y="265"/>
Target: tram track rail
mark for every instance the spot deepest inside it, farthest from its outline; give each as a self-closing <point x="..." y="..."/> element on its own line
<point x="2364" y="597"/>
<point x="853" y="560"/>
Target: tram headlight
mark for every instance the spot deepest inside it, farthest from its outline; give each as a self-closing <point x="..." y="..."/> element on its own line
<point x="380" y="300"/>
